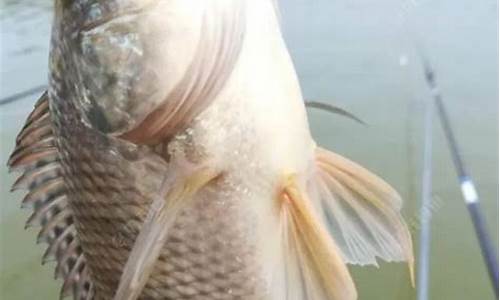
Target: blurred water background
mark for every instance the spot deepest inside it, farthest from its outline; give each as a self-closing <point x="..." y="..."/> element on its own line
<point x="357" y="54"/>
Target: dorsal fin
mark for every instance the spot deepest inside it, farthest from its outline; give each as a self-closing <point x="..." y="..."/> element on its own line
<point x="36" y="156"/>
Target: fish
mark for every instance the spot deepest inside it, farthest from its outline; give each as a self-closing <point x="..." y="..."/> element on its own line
<point x="171" y="158"/>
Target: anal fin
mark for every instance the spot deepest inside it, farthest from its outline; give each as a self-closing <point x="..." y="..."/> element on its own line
<point x="314" y="267"/>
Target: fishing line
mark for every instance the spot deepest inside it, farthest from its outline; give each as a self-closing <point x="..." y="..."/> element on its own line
<point x="333" y="109"/>
<point x="23" y="94"/>
<point x="312" y="104"/>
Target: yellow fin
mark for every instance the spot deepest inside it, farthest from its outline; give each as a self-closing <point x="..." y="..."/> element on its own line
<point x="362" y="212"/>
<point x="314" y="268"/>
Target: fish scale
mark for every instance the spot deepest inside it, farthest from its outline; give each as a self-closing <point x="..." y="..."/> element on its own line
<point x="189" y="171"/>
<point x="198" y="239"/>
<point x="197" y="249"/>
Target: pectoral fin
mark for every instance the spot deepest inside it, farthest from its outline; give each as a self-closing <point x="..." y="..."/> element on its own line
<point x="175" y="195"/>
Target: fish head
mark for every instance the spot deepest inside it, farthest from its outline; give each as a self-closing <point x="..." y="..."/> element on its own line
<point x="122" y="58"/>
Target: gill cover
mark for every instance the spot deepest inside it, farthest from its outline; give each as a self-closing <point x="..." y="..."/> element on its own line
<point x="147" y="68"/>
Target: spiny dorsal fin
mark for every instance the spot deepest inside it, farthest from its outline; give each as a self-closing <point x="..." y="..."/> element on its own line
<point x="37" y="157"/>
<point x="362" y="211"/>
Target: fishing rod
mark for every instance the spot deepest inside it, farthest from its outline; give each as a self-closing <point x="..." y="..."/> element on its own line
<point x="23" y="94"/>
<point x="425" y="209"/>
<point x="467" y="185"/>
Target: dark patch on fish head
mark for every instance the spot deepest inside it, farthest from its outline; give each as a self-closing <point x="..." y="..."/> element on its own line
<point x="116" y="84"/>
<point x="98" y="119"/>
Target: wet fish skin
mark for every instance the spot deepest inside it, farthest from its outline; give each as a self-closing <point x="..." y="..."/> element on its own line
<point x="111" y="182"/>
<point x="101" y="49"/>
<point x="137" y="99"/>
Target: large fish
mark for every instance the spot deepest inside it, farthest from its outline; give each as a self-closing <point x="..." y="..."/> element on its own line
<point x="171" y="158"/>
